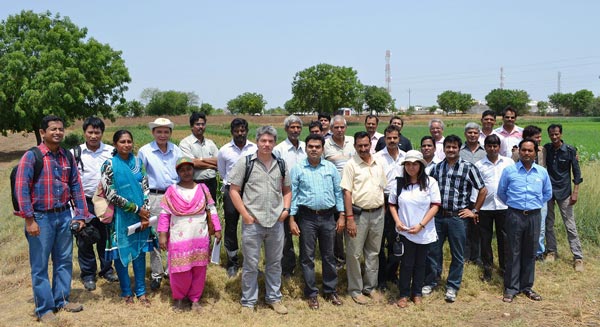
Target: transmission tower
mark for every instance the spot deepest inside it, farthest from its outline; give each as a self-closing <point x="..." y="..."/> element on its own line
<point x="388" y="71"/>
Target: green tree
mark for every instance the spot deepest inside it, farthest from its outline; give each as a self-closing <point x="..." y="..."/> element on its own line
<point x="562" y="101"/>
<point x="247" y="103"/>
<point x="378" y="99"/>
<point x="207" y="108"/>
<point x="48" y="65"/>
<point x="450" y="101"/>
<point x="595" y="109"/>
<point x="498" y="99"/>
<point x="542" y="108"/>
<point x="582" y="102"/>
<point x="171" y="103"/>
<point x="326" y="88"/>
<point x="291" y="106"/>
<point x="132" y="108"/>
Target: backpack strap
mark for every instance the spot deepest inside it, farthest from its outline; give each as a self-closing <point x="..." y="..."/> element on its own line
<point x="250" y="166"/>
<point x="399" y="185"/>
<point x="77" y="154"/>
<point x="38" y="164"/>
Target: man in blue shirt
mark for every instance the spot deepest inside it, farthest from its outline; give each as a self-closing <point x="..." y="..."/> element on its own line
<point x="316" y="196"/>
<point x="524" y="187"/>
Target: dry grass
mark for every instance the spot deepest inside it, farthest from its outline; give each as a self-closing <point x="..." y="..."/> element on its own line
<point x="570" y="299"/>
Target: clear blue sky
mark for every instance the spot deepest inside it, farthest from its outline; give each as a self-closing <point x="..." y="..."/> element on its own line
<point x="220" y="49"/>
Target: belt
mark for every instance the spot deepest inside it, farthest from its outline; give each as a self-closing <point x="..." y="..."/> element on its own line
<point x="371" y="210"/>
<point x="448" y="213"/>
<point x="525" y="212"/>
<point x="322" y="212"/>
<point x="155" y="191"/>
<point x="56" y="210"/>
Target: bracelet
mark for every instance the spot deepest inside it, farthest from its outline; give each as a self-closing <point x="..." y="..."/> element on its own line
<point x="348" y="217"/>
<point x="422" y="225"/>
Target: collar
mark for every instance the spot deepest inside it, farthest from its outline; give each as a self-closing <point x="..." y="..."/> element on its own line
<point x="290" y="145"/>
<point x="306" y="163"/>
<point x="155" y="147"/>
<point x="100" y="148"/>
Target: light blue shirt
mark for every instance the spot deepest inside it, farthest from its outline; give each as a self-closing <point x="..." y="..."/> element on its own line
<point x="160" y="166"/>
<point x="522" y="189"/>
<point x="316" y="187"/>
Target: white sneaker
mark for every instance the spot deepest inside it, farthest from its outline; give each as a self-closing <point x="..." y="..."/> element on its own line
<point x="450" y="295"/>
<point x="426" y="290"/>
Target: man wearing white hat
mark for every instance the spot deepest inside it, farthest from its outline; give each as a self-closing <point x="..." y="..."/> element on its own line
<point x="159" y="157"/>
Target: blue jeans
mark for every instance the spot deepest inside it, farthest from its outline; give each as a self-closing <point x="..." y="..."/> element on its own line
<point x="455" y="230"/>
<point x="544" y="213"/>
<point x="55" y="239"/>
<point x="253" y="236"/>
<point x="139" y="272"/>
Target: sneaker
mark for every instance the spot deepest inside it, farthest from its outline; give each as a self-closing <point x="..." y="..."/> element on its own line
<point x="578" y="265"/>
<point x="89" y="285"/>
<point x="426" y="290"/>
<point x="111" y="277"/>
<point x="72" y="307"/>
<point x="550" y="257"/>
<point x="155" y="284"/>
<point x="450" y="295"/>
<point x="279" y="308"/>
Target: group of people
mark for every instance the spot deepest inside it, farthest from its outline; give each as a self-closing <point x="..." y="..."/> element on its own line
<point x="368" y="197"/>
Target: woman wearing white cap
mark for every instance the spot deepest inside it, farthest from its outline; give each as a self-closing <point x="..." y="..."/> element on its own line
<point x="413" y="204"/>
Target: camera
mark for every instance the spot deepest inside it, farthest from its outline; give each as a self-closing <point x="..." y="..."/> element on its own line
<point x="75" y="227"/>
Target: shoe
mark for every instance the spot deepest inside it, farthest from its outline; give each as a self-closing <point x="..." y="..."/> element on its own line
<point x="487" y="276"/>
<point x="426" y="290"/>
<point x="232" y="271"/>
<point x="402" y="302"/>
<point x="89" y="285"/>
<point x="48" y="318"/>
<point x="550" y="257"/>
<point x="196" y="307"/>
<point x="111" y="277"/>
<point x="339" y="263"/>
<point x="155" y="284"/>
<point x="178" y="306"/>
<point x="382" y="288"/>
<point x="144" y="301"/>
<point x="333" y="298"/>
<point x="128" y="300"/>
<point x="417" y="300"/>
<point x="508" y="298"/>
<point x="539" y="257"/>
<point x="450" y="296"/>
<point x="532" y="295"/>
<point x="279" y="308"/>
<point x="72" y="307"/>
<point x="313" y="303"/>
<point x="287" y="277"/>
<point x="578" y="265"/>
<point x="360" y="299"/>
<point x="376" y="296"/>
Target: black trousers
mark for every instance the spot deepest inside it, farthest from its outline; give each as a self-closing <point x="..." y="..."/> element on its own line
<point x="522" y="235"/>
<point x="388" y="263"/>
<point x="473" y="243"/>
<point x="288" y="259"/>
<point x="85" y="253"/>
<point x="211" y="183"/>
<point x="487" y="219"/>
<point x="412" y="268"/>
<point x="232" y="218"/>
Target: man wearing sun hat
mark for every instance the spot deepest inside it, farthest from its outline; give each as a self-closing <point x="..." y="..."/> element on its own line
<point x="159" y="157"/>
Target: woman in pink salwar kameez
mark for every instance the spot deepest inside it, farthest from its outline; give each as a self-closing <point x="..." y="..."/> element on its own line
<point x="183" y="232"/>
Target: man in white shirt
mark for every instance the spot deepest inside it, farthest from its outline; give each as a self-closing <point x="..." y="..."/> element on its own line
<point x="436" y="129"/>
<point x="493" y="209"/>
<point x="371" y="123"/>
<point x="510" y="133"/>
<point x="90" y="156"/>
<point x="428" y="150"/>
<point x="160" y="158"/>
<point x="292" y="151"/>
<point x="229" y="154"/>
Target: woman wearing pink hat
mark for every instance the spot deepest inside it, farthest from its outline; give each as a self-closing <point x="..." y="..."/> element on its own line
<point x="183" y="227"/>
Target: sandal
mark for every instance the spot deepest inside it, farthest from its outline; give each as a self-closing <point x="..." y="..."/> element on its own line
<point x="144" y="301"/>
<point x="128" y="300"/>
<point x="532" y="295"/>
<point x="508" y="298"/>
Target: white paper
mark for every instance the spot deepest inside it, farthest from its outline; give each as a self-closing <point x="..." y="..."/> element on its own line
<point x="215" y="256"/>
<point x="138" y="226"/>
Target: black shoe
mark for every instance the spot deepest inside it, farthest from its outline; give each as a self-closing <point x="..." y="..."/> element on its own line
<point x="487" y="276"/>
<point x="287" y="277"/>
<point x="111" y="277"/>
<point x="89" y="285"/>
<point x="155" y="284"/>
<point x="232" y="271"/>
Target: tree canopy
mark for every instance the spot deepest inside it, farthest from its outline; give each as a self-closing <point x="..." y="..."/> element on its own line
<point x="578" y="103"/>
<point x="378" y="99"/>
<point x="247" y="103"/>
<point x="170" y="102"/>
<point x="48" y="65"/>
<point x="450" y="101"/>
<point x="325" y="88"/>
<point x="498" y="99"/>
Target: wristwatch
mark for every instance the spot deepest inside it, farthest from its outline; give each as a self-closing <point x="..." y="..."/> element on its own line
<point x="475" y="211"/>
<point x="286" y="209"/>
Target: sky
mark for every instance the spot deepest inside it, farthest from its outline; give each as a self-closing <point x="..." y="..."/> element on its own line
<point x="221" y="49"/>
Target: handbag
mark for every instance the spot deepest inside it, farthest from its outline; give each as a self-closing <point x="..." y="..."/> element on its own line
<point x="398" y="246"/>
<point x="102" y="207"/>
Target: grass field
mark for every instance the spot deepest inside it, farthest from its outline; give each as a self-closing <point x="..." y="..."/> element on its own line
<point x="570" y="299"/>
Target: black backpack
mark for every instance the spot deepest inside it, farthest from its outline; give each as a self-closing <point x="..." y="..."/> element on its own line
<point x="250" y="166"/>
<point x="37" y="170"/>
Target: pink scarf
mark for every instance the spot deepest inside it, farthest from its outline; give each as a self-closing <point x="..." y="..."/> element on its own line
<point x="173" y="203"/>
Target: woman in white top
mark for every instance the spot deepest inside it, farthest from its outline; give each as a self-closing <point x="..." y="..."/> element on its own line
<point x="413" y="211"/>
